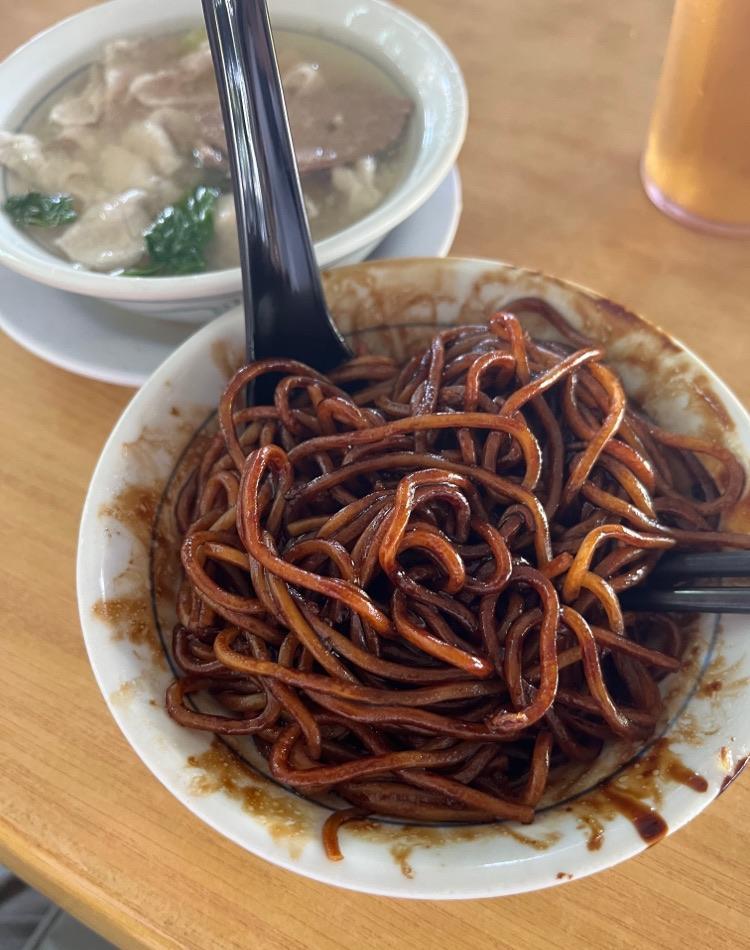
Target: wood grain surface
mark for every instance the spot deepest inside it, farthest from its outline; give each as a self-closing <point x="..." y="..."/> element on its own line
<point x="560" y="95"/>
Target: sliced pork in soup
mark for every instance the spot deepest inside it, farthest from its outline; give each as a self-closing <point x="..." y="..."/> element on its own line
<point x="134" y="147"/>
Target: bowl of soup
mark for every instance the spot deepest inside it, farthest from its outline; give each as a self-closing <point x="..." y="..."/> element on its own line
<point x="114" y="176"/>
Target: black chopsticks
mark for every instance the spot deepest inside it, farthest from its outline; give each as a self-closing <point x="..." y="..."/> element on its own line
<point x="703" y="564"/>
<point x="668" y="587"/>
<point x="709" y="600"/>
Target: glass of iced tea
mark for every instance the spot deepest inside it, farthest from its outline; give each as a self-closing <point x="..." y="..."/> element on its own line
<point x="696" y="167"/>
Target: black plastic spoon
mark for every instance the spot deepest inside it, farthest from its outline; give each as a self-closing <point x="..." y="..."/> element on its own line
<point x="285" y="309"/>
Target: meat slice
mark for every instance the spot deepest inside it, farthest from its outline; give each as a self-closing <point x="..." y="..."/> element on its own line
<point x="108" y="236"/>
<point x="123" y="60"/>
<point x="189" y="83"/>
<point x="42" y="169"/>
<point x="151" y="141"/>
<point x="225" y="246"/>
<point x="181" y="124"/>
<point x="339" y="125"/>
<point x="211" y="127"/>
<point x="198" y="133"/>
<point x="225" y="249"/>
<point x="299" y="78"/>
<point x="357" y="183"/>
<point x="122" y="170"/>
<point x="86" y="108"/>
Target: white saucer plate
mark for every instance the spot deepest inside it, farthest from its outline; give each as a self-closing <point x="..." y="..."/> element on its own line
<point x="94" y="339"/>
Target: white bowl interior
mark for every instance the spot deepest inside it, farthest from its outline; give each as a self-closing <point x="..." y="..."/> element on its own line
<point x="124" y="591"/>
<point x="402" y="45"/>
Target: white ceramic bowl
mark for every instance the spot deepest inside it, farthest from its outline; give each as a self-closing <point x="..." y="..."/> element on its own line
<point x="403" y="45"/>
<point x="124" y="612"/>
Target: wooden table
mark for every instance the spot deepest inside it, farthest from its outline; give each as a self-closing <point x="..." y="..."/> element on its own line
<point x="560" y="93"/>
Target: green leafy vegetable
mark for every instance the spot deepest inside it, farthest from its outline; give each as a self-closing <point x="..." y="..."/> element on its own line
<point x="177" y="239"/>
<point x="40" y="211"/>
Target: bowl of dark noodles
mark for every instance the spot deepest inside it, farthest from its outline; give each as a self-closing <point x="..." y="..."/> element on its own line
<point x="114" y="175"/>
<point x="375" y="630"/>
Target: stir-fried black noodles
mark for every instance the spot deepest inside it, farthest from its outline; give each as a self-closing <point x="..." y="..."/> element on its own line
<point x="403" y="580"/>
